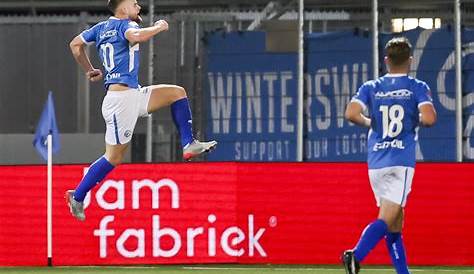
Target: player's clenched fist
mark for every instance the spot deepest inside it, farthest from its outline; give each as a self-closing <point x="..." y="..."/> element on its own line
<point x="162" y="24"/>
<point x="94" y="75"/>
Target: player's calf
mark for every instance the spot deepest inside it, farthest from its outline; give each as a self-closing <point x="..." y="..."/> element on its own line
<point x="392" y="214"/>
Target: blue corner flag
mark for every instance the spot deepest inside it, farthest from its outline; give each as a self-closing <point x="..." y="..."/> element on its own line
<point x="47" y="125"/>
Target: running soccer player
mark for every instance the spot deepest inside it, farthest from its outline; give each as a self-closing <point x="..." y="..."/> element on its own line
<point x="117" y="41"/>
<point x="397" y="104"/>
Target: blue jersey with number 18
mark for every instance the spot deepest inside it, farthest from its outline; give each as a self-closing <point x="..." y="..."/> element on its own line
<point x="119" y="58"/>
<point x="392" y="102"/>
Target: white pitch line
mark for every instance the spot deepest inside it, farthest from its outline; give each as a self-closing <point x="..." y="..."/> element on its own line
<point x="316" y="269"/>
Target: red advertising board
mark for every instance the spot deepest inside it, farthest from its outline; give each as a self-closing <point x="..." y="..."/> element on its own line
<point x="230" y="213"/>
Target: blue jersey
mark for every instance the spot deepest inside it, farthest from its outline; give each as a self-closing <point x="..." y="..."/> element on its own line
<point x="392" y="102"/>
<point x="119" y="58"/>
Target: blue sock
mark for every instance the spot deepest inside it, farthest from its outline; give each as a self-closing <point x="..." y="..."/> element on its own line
<point x="182" y="119"/>
<point x="96" y="173"/>
<point x="372" y="234"/>
<point x="397" y="252"/>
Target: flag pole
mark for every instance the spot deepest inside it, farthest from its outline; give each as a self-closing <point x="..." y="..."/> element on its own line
<point x="49" y="198"/>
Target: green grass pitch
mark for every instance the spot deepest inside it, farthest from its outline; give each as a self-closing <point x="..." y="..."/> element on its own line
<point x="224" y="269"/>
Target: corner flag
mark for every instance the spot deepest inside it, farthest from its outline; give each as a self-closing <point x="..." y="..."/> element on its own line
<point x="47" y="125"/>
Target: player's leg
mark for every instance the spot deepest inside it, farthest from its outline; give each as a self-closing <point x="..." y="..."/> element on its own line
<point x="99" y="169"/>
<point x="396" y="247"/>
<point x="372" y="234"/>
<point x="375" y="231"/>
<point x="95" y="174"/>
<point x="176" y="97"/>
<point x="391" y="187"/>
<point x="394" y="239"/>
<point x="120" y="112"/>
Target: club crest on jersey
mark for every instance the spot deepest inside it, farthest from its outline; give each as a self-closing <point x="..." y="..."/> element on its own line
<point x="394" y="94"/>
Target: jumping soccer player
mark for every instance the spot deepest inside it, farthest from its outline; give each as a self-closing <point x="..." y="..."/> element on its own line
<point x="397" y="104"/>
<point x="117" y="41"/>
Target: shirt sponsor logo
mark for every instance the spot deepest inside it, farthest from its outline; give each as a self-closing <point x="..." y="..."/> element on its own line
<point x="111" y="76"/>
<point x="389" y="144"/>
<point x="109" y="33"/>
<point x="394" y="94"/>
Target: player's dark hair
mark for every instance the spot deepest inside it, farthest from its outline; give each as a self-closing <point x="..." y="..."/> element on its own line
<point x="113" y="4"/>
<point x="398" y="50"/>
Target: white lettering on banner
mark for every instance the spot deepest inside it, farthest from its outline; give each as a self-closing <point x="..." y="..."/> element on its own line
<point x="155" y="188"/>
<point x="316" y="149"/>
<point x="309" y="101"/>
<point x="221" y="104"/>
<point x="119" y="202"/>
<point x="238" y="86"/>
<point x="355" y="77"/>
<point x="253" y="86"/>
<point x="235" y="241"/>
<point x="342" y="94"/>
<point x="286" y="101"/>
<point x="343" y="87"/>
<point x="103" y="233"/>
<point x="158" y="233"/>
<point x="253" y="239"/>
<point x="270" y="78"/>
<point x="211" y="235"/>
<point x="139" y="234"/>
<point x="191" y="233"/>
<point x="322" y="77"/>
<point x="263" y="150"/>
<point x="253" y="101"/>
<point x="346" y="145"/>
<point x="253" y="109"/>
<point x="231" y="239"/>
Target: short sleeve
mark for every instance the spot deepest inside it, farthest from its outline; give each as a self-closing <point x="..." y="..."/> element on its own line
<point x="362" y="97"/>
<point x="423" y="94"/>
<point x="129" y="25"/>
<point x="89" y="35"/>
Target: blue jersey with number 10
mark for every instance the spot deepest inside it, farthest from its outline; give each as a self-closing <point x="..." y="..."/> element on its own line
<point x="119" y="57"/>
<point x="392" y="102"/>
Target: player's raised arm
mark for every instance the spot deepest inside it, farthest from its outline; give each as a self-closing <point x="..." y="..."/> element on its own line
<point x="78" y="51"/>
<point x="135" y="35"/>
<point x="355" y="115"/>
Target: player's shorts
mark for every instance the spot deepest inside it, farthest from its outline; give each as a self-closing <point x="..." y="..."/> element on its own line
<point x="391" y="183"/>
<point x="121" y="110"/>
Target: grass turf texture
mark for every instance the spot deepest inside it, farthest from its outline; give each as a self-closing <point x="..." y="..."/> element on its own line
<point x="227" y="269"/>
